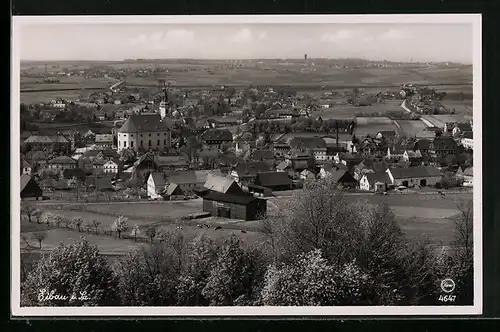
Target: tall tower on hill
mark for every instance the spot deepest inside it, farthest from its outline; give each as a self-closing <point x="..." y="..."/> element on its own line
<point x="305" y="56"/>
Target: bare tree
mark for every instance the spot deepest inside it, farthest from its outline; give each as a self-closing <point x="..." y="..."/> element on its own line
<point x="464" y="229"/>
<point x="39" y="236"/>
<point x="77" y="222"/>
<point x="96" y="223"/>
<point x="151" y="232"/>
<point x="135" y="232"/>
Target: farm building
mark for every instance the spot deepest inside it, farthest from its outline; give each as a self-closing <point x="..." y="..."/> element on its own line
<point x="29" y="187"/>
<point x="275" y="181"/>
<point x="417" y="175"/>
<point x="190" y="180"/>
<point x="174" y="193"/>
<point x="377" y="181"/>
<point x="244" y="207"/>
<point x="344" y="178"/>
<point x="222" y="185"/>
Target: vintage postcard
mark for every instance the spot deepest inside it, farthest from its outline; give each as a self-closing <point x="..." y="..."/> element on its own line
<point x="246" y="165"/>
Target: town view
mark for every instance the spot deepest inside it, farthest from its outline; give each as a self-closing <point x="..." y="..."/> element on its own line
<point x="296" y="180"/>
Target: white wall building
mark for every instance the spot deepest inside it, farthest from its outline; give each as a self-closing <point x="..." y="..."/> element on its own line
<point x="146" y="131"/>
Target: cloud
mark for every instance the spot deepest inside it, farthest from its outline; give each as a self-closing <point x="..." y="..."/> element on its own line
<point x="338" y="36"/>
<point x="394" y="34"/>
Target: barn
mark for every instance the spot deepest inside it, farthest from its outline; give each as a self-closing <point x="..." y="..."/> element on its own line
<point x="414" y="176"/>
<point x="29" y="187"/>
<point x="234" y="206"/>
<point x="275" y="181"/>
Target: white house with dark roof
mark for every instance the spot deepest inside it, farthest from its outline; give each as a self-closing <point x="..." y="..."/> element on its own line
<point x="467" y="140"/>
<point x="61" y="163"/>
<point x="412" y="176"/>
<point x="156" y="185"/>
<point x="146" y="131"/>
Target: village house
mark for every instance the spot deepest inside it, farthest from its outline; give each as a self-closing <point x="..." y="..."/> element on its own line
<point x="265" y="155"/>
<point x="58" y="164"/>
<point x="156" y="185"/>
<point x="347" y="159"/>
<point x="276" y="181"/>
<point x="327" y="169"/>
<point x="307" y="175"/>
<point x="467" y="140"/>
<point x="395" y="151"/>
<point x="26" y="168"/>
<point x="144" y="131"/>
<point x="414" y="176"/>
<point x="388" y="135"/>
<point x="468" y="177"/>
<point x="246" y="172"/>
<point x="101" y="182"/>
<point x="281" y="149"/>
<point x="343" y="178"/>
<point x="306" y="144"/>
<point x="327" y="153"/>
<point x="190" y="181"/>
<point x="216" y="138"/>
<point x="375" y="181"/>
<point x="100" y="116"/>
<point x="414" y="157"/>
<point x="300" y="161"/>
<point x="104" y="141"/>
<point x="54" y="143"/>
<point x="112" y="166"/>
<point x="443" y="146"/>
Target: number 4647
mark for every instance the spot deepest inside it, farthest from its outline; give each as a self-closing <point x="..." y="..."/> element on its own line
<point x="447" y="298"/>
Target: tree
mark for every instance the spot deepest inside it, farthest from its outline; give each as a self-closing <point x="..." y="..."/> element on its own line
<point x="202" y="252"/>
<point x="39" y="236"/>
<point x="96" y="223"/>
<point x="151" y="232"/>
<point x="310" y="280"/>
<point x="29" y="211"/>
<point x="88" y="226"/>
<point x="120" y="225"/>
<point x="135" y="232"/>
<point x="75" y="182"/>
<point x="77" y="222"/>
<point x="234" y="276"/>
<point x="149" y="276"/>
<point x="71" y="275"/>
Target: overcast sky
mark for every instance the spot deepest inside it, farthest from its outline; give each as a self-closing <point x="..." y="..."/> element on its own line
<point x="396" y="42"/>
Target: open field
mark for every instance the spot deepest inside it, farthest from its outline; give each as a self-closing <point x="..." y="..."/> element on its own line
<point x="46" y="96"/>
<point x="462" y="108"/>
<point x="286" y="137"/>
<point x="377" y="120"/>
<point x="411" y="127"/>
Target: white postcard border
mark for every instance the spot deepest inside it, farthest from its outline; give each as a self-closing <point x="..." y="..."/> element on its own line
<point x="18" y="311"/>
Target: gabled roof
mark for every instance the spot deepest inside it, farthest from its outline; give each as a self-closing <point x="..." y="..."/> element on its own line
<point x="273" y="179"/>
<point x="467" y="134"/>
<point x="164" y="161"/>
<point x="103" y="138"/>
<point x="25" y="164"/>
<point x="237" y="199"/>
<point x="415" y="172"/>
<point x="253" y="167"/>
<point x="217" y="135"/>
<point x="143" y="123"/>
<point x="307" y="143"/>
<point x="283" y="165"/>
<point x="62" y="160"/>
<point x="262" y="154"/>
<point x="377" y="177"/>
<point x="158" y="179"/>
<point x="38" y="139"/>
<point x="59" y="139"/>
<point x="464" y="126"/>
<point x="218" y="183"/>
<point x="25" y="179"/>
<point x="341" y="174"/>
<point x="422" y="144"/>
<point x="173" y="189"/>
<point x="444" y="143"/>
<point x="468" y="171"/>
<point x="190" y="176"/>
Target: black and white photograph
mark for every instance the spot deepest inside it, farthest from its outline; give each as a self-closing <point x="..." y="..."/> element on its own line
<point x="246" y="165"/>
